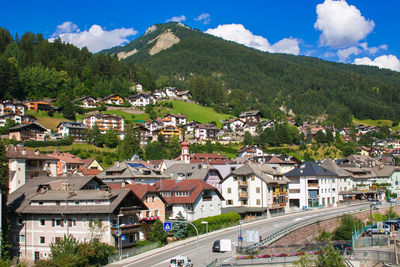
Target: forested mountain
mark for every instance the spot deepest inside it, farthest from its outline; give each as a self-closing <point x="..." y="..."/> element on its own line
<point x="32" y="68"/>
<point x="210" y="66"/>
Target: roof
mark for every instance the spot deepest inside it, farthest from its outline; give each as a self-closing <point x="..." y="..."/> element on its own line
<point x="195" y="187"/>
<point x="22" y="126"/>
<point x="250" y="113"/>
<point x="262" y="171"/>
<point x="140" y="190"/>
<point x="123" y="170"/>
<point x="210" y="158"/>
<point x="207" y="126"/>
<point x="15" y="152"/>
<point x="309" y="168"/>
<point x="226" y="169"/>
<point x="75" y="125"/>
<point x="66" y="157"/>
<point x="190" y="171"/>
<point x="331" y="165"/>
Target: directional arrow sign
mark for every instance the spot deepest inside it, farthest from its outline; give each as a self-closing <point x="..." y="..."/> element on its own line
<point x="167" y="226"/>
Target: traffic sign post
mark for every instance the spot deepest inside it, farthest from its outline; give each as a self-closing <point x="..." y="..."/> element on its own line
<point x="167" y="226"/>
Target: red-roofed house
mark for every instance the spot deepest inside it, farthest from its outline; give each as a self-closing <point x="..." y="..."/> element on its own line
<point x="193" y="198"/>
<point x="67" y="163"/>
<point x="153" y="200"/>
<point x="210" y="158"/>
<point x="282" y="165"/>
<point x="90" y="167"/>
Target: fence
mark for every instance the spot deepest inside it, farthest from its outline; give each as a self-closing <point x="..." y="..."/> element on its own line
<point x="132" y="252"/>
<point x="371" y="241"/>
<point x="375" y="255"/>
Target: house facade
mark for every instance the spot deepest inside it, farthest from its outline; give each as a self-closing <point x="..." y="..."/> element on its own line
<point x="114" y="99"/>
<point x="74" y="129"/>
<point x="28" y="132"/>
<point x="193" y="198"/>
<point x="255" y="190"/>
<point x="53" y="208"/>
<point x="105" y="122"/>
<point x="141" y="100"/>
<point x="312" y="186"/>
<point x="7" y="107"/>
<point x="206" y="132"/>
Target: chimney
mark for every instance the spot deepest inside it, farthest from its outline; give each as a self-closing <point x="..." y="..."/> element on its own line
<point x="37" y="153"/>
<point x="117" y="164"/>
<point x="23" y="152"/>
<point x="123" y="185"/>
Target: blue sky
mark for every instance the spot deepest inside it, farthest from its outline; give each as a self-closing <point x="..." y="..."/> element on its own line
<point x="352" y="31"/>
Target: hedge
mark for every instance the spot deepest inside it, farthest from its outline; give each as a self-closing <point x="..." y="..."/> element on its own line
<point x="63" y="142"/>
<point x="214" y="223"/>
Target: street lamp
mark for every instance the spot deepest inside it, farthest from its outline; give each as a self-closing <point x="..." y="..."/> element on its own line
<point x="372" y="220"/>
<point x="206" y="223"/>
<point x="119" y="237"/>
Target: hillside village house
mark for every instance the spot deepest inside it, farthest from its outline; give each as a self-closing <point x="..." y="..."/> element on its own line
<point x="74" y="129"/>
<point x="114" y="99"/>
<point x="146" y="135"/>
<point x="105" y="122"/>
<point x="45" y="209"/>
<point x="89" y="167"/>
<point x="185" y="95"/>
<point x="28" y="132"/>
<point x="168" y="132"/>
<point x="250" y="151"/>
<point x="67" y="163"/>
<point x="38" y="105"/>
<point x="206" y="132"/>
<point x="312" y="186"/>
<point x="254" y="190"/>
<point x="209" y="158"/>
<point x="7" y="107"/>
<point x="88" y="102"/>
<point x="159" y="94"/>
<point x="154" y="201"/>
<point x="251" y="116"/>
<point x="142" y="100"/>
<point x="171" y="92"/>
<point x="25" y="164"/>
<point x="193" y="198"/>
<point x="176" y="119"/>
<point x="18" y="119"/>
<point x="235" y="125"/>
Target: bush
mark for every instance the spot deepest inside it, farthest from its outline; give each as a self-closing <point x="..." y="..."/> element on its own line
<point x="63" y="142"/>
<point x="214" y="223"/>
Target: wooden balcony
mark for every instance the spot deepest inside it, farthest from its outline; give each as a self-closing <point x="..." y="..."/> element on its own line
<point x="134" y="210"/>
<point x="277" y="205"/>
<point x="126" y="228"/>
<point x="315" y="185"/>
<point x="243" y="183"/>
<point x="280" y="193"/>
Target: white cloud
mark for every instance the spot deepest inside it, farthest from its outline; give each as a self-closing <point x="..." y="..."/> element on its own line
<point x="176" y="19"/>
<point x="385" y="61"/>
<point x="95" y="39"/>
<point x="204" y="18"/>
<point x="239" y="34"/>
<point x="341" y="24"/>
<point x="373" y="50"/>
<point x="345" y="53"/>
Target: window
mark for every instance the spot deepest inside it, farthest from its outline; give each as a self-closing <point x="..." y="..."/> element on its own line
<point x="77" y="202"/>
<point x="229" y="202"/>
<point x="42" y="222"/>
<point x="156" y="213"/>
<point x="59" y="222"/>
<point x="71" y="222"/>
<point x="97" y="202"/>
<point x="252" y="178"/>
<point x="131" y="238"/>
<point x="42" y="240"/>
<point x="258" y="202"/>
<point x="203" y="208"/>
<point x="40" y="203"/>
<point x="152" y="198"/>
<point x="20" y="221"/>
<point x="211" y="207"/>
<point x="57" y="239"/>
<point x="147" y="199"/>
<point x="257" y="189"/>
<point x="229" y="190"/>
<point x="22" y="238"/>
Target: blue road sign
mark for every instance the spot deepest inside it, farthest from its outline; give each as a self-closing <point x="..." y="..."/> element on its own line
<point x="167" y="226"/>
<point x="123" y="237"/>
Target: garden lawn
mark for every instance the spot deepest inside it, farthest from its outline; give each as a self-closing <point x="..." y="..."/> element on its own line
<point x="199" y="113"/>
<point x="44" y="119"/>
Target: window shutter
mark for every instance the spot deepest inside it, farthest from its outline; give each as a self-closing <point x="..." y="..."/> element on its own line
<point x="69" y="223"/>
<point x="53" y="222"/>
<point x="62" y="222"/>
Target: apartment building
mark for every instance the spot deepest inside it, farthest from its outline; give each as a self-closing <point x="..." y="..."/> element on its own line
<point x="74" y="129"/>
<point x="7" y="107"/>
<point x="28" y="132"/>
<point x="255" y="190"/>
<point x="44" y="210"/>
<point x="25" y="164"/>
<point x="205" y="132"/>
<point x="105" y="122"/>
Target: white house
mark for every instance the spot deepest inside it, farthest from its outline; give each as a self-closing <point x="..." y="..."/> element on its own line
<point x="7" y="107"/>
<point x="233" y="124"/>
<point x="171" y="92"/>
<point x="250" y="151"/>
<point x="141" y="100"/>
<point x="176" y="119"/>
<point x="159" y="94"/>
<point x="73" y="129"/>
<point x="254" y="190"/>
<point x="312" y="186"/>
<point x="193" y="198"/>
<point x="206" y="132"/>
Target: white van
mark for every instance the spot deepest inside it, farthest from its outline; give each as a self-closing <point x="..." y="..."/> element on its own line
<point x="180" y="261"/>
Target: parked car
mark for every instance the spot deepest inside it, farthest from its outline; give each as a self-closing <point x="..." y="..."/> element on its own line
<point x="394" y="223"/>
<point x="385" y="229"/>
<point x="391" y="200"/>
<point x="343" y="247"/>
<point x="181" y="261"/>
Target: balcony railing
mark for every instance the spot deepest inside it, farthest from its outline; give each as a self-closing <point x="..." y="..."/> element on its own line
<point x="280" y="193"/>
<point x="277" y="205"/>
<point x="126" y="228"/>
<point x="243" y="195"/>
<point x="313" y="185"/>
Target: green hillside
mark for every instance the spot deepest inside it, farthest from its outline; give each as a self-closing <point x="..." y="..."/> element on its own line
<point x="308" y="86"/>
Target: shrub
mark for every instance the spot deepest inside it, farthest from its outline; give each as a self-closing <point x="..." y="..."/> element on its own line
<point x="214" y="223"/>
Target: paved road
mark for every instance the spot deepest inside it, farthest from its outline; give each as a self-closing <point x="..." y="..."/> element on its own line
<point x="265" y="228"/>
